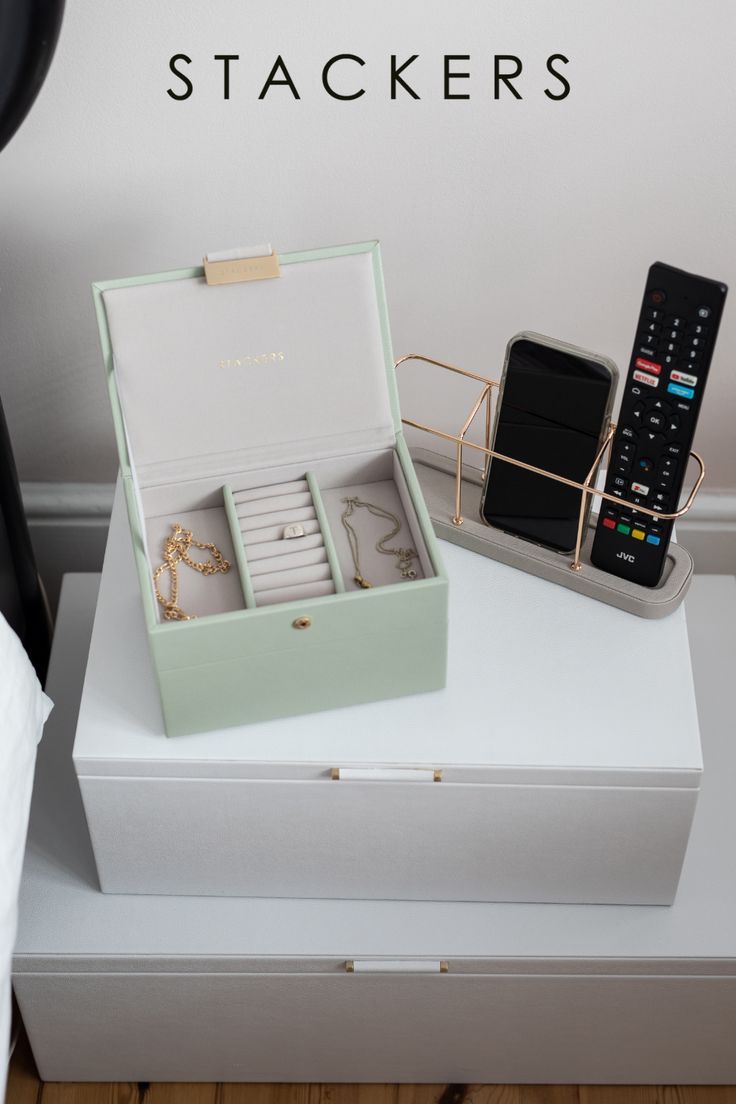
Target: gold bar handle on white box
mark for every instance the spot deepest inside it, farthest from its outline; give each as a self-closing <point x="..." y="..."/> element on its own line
<point x="396" y="966"/>
<point x="385" y="774"/>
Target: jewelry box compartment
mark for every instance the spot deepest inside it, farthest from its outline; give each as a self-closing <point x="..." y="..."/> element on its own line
<point x="271" y="537"/>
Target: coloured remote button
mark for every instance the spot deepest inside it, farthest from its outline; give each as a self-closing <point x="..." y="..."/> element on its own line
<point x="638" y="534"/>
<point x="683" y="377"/>
<point x="644" y="377"/>
<point x="683" y="392"/>
<point x="651" y="539"/>
<point x="609" y="523"/>
<point x="625" y="529"/>
<point x="648" y="365"/>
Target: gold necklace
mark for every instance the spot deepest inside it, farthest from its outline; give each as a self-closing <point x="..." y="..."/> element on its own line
<point x="404" y="556"/>
<point x="176" y="551"/>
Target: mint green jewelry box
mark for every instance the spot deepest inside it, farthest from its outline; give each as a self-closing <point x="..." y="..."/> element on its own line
<point x="272" y="387"/>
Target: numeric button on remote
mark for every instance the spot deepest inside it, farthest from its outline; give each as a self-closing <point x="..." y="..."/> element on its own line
<point x="698" y="329"/>
<point x="676" y="321"/>
<point x="654" y="313"/>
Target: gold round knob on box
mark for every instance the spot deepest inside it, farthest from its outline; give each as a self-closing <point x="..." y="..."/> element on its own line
<point x="302" y="623"/>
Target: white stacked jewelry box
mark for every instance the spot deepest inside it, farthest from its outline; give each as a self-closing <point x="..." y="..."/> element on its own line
<point x="562" y="762"/>
<point x="138" y="988"/>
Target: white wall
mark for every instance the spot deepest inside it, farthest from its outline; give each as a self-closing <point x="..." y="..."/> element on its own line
<point x="494" y="216"/>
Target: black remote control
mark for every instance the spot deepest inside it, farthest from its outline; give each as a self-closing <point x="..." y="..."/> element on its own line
<point x="675" y="337"/>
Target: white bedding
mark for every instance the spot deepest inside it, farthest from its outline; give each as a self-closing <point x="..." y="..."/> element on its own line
<point x="23" y="711"/>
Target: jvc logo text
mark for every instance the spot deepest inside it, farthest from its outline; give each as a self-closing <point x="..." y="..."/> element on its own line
<point x="625" y="556"/>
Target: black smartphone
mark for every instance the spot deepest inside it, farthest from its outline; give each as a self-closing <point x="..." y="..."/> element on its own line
<point x="553" y="411"/>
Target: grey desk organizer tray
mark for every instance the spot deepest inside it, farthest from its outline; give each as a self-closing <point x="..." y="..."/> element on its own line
<point x="452" y="491"/>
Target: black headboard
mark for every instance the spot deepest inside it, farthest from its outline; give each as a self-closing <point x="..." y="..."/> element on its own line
<point x="22" y="600"/>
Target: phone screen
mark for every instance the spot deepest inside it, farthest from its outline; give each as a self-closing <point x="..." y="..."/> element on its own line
<point x="551" y="414"/>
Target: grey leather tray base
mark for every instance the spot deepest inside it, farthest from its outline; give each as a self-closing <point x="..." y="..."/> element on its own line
<point x="436" y="475"/>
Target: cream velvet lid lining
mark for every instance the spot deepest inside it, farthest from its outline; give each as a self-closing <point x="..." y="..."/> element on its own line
<point x="250" y="375"/>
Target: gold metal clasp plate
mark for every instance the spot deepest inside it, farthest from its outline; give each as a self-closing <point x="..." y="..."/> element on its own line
<point x="236" y="266"/>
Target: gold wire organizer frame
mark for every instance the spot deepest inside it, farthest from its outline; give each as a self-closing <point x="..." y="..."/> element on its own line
<point x="587" y="488"/>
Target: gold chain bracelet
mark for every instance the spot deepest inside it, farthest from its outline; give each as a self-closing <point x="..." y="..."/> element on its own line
<point x="176" y="551"/>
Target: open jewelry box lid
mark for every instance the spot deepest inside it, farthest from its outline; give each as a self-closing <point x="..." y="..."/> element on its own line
<point x="207" y="380"/>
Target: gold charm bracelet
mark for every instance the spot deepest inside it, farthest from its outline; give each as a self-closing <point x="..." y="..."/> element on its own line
<point x="176" y="551"/>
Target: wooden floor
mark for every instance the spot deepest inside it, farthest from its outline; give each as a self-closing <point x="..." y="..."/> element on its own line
<point x="24" y="1087"/>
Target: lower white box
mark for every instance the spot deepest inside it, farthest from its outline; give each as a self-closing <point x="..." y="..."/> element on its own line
<point x="562" y="763"/>
<point x="137" y="988"/>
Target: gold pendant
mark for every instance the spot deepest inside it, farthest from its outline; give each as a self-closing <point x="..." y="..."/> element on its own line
<point x="362" y="582"/>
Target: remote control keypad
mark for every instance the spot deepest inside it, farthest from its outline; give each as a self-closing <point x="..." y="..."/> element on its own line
<point x="674" y="341"/>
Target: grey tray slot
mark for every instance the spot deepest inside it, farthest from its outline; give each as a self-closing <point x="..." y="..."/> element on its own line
<point x="436" y="475"/>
